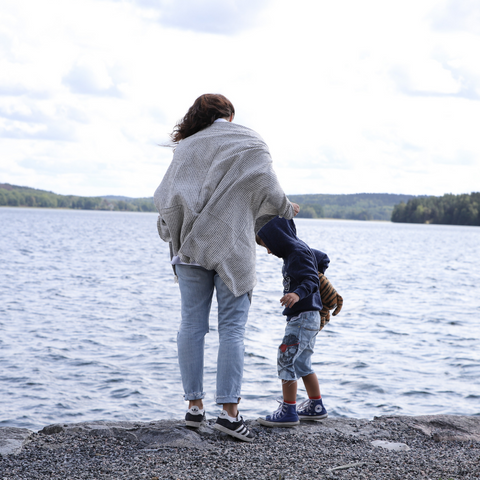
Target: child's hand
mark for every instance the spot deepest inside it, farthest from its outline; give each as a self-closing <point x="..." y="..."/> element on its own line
<point x="289" y="300"/>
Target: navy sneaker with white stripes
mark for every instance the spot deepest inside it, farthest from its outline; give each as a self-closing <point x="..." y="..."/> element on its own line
<point x="236" y="428"/>
<point x="195" y="417"/>
<point x="312" y="410"/>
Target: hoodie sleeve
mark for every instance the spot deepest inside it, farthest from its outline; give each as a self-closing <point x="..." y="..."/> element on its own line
<point x="306" y="276"/>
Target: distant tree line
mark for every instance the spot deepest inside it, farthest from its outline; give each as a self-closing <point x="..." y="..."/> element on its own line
<point x="448" y="210"/>
<point x="14" y="196"/>
<point x="358" y="206"/>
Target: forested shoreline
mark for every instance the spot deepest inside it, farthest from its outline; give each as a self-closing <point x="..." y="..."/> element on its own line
<point x="361" y="206"/>
<point x="15" y="196"/>
<point x="449" y="209"/>
<point x="356" y="206"/>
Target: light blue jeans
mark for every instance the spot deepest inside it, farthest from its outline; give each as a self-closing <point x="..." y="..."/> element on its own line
<point x="196" y="289"/>
<point x="294" y="359"/>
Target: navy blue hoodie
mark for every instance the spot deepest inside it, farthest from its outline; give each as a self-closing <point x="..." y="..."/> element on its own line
<point x="300" y="269"/>
<point x="322" y="260"/>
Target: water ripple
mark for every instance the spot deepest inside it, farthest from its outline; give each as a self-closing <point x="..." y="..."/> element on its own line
<point x="89" y="313"/>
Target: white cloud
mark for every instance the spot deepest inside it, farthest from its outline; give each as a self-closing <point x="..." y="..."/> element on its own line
<point x="226" y="17"/>
<point x="222" y="17"/>
<point x="457" y="15"/>
<point x="90" y="75"/>
<point x="426" y="78"/>
<point x="350" y="96"/>
<point x="25" y="119"/>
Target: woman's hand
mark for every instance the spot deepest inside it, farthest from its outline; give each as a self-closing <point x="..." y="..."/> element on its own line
<point x="296" y="209"/>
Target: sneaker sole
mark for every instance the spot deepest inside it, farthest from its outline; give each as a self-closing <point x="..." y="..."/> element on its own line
<point x="193" y="424"/>
<point x="313" y="418"/>
<point x="267" y="423"/>
<point x="233" y="433"/>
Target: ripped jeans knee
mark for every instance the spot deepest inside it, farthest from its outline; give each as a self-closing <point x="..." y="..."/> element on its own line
<point x="295" y="352"/>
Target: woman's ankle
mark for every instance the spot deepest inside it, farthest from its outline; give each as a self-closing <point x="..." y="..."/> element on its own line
<point x="195" y="403"/>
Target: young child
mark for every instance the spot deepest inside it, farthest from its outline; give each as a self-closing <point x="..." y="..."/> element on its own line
<point x="302" y="304"/>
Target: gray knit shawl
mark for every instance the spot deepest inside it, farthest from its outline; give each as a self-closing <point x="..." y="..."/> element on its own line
<point x="218" y="191"/>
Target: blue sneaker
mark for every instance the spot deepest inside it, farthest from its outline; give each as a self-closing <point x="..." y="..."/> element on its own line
<point x="284" y="416"/>
<point x="312" y="410"/>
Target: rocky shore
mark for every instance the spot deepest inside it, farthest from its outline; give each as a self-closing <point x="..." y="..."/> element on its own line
<point x="440" y="447"/>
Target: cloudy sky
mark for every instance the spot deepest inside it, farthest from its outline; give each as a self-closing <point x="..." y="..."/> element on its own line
<point x="370" y="96"/>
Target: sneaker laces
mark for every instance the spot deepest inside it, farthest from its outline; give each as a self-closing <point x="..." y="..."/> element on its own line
<point x="282" y="408"/>
<point x="305" y="404"/>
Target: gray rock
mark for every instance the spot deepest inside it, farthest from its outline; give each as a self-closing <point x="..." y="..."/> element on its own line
<point x="442" y="427"/>
<point x="173" y="433"/>
<point x="13" y="439"/>
<point x="440" y="446"/>
<point x="395" y="446"/>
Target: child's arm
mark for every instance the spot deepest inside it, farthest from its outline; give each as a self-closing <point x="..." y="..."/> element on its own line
<point x="307" y="278"/>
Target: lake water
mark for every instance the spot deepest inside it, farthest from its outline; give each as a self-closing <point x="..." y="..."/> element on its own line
<point x="89" y="314"/>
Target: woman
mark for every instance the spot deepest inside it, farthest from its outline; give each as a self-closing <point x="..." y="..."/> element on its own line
<point x="218" y="191"/>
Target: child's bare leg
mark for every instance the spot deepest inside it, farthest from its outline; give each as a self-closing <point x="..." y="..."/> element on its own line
<point x="311" y="385"/>
<point x="289" y="388"/>
<point x="312" y="409"/>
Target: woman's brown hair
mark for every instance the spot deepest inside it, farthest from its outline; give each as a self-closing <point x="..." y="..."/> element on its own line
<point x="204" y="111"/>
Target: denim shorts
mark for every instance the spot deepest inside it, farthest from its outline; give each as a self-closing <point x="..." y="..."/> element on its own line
<point x="294" y="358"/>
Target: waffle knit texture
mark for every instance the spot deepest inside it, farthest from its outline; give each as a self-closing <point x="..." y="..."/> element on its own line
<point x="219" y="190"/>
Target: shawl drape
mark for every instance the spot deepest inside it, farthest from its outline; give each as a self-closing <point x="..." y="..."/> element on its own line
<point x="218" y="191"/>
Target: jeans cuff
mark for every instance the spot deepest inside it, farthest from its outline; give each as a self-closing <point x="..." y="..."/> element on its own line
<point x="231" y="399"/>
<point x="194" y="396"/>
